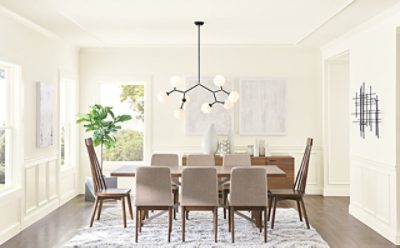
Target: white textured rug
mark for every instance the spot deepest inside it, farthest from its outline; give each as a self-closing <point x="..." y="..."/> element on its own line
<point x="109" y="232"/>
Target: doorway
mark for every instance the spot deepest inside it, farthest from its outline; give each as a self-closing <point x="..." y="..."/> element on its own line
<point x="337" y="118"/>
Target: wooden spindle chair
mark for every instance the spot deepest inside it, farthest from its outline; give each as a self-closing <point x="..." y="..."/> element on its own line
<point x="101" y="191"/>
<point x="298" y="191"/>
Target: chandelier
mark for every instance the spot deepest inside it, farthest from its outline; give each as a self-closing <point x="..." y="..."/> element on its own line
<point x="219" y="81"/>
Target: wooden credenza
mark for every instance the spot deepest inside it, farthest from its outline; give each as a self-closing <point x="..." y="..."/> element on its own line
<point x="286" y="163"/>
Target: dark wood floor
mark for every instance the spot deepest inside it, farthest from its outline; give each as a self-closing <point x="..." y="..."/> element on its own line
<point x="329" y="215"/>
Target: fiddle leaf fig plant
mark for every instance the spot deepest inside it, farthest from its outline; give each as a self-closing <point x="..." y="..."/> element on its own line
<point x="102" y="123"/>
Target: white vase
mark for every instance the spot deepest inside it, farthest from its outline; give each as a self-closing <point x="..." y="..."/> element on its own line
<point x="210" y="142"/>
<point x="256" y="149"/>
<point x="231" y="138"/>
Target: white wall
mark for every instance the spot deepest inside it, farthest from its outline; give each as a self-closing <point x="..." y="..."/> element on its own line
<point x="373" y="162"/>
<point x="38" y="188"/>
<point x="158" y="64"/>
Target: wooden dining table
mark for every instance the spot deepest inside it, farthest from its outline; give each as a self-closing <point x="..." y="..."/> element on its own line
<point x="176" y="171"/>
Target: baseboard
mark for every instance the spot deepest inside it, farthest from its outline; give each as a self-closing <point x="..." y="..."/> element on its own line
<point x="9" y="232"/>
<point x="336" y="190"/>
<point x="313" y="190"/>
<point x="388" y="232"/>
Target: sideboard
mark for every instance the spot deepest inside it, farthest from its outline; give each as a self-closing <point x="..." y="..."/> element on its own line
<point x="285" y="162"/>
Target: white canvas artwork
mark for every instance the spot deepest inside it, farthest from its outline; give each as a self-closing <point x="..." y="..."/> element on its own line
<point x="262" y="106"/>
<point x="196" y="122"/>
<point x="44" y="114"/>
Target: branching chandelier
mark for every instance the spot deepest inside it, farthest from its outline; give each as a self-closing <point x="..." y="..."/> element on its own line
<point x="206" y="107"/>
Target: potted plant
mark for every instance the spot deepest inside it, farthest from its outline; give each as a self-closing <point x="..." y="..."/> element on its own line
<point x="102" y="123"/>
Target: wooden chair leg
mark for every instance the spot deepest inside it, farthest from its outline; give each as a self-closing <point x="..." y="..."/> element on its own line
<point x="299" y="210"/>
<point x="169" y="223"/>
<point x="260" y="221"/>
<point x="137" y="224"/>
<point x="270" y="207"/>
<point x="187" y="215"/>
<point x="225" y="192"/>
<point x="128" y="197"/>
<point x="123" y="211"/>
<point x="233" y="224"/>
<point x="216" y="224"/>
<point x="305" y="213"/>
<point x="141" y="214"/>
<point x="183" y="223"/>
<point x="265" y="225"/>
<point x="99" y="209"/>
<point x="229" y="219"/>
<point x="176" y="194"/>
<point x="94" y="211"/>
<point x="273" y="213"/>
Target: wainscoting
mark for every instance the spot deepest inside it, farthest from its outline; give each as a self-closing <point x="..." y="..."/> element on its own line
<point x="373" y="199"/>
<point x="44" y="187"/>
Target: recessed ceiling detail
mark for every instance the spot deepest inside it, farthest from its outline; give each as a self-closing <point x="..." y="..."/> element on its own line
<point x="91" y="23"/>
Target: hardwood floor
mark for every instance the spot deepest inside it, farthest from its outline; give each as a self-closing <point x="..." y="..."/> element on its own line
<point x="329" y="215"/>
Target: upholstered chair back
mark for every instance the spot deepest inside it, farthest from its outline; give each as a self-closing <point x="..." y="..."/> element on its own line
<point x="199" y="186"/>
<point x="153" y="186"/>
<point x="248" y="187"/>
<point x="200" y="160"/>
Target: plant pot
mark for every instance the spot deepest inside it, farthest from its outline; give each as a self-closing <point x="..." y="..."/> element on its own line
<point x="111" y="182"/>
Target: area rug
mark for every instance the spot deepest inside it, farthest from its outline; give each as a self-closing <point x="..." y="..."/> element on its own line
<point x="109" y="232"/>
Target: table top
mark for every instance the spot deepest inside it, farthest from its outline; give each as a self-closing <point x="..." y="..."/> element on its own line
<point x="176" y="171"/>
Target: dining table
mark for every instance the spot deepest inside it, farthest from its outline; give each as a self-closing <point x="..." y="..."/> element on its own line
<point x="222" y="172"/>
<point x="176" y="171"/>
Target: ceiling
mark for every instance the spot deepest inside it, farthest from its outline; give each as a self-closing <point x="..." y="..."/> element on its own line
<point x="113" y="23"/>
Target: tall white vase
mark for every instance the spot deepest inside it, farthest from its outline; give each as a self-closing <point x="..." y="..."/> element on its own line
<point x="210" y="141"/>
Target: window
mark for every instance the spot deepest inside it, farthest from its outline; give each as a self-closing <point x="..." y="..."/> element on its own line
<point x="126" y="99"/>
<point x="4" y="142"/>
<point x="65" y="121"/>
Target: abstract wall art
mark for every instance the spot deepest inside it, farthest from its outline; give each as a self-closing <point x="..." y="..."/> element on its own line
<point x="262" y="106"/>
<point x="44" y="115"/>
<point x="367" y="112"/>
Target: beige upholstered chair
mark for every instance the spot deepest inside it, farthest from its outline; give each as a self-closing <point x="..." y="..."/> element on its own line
<point x="248" y="192"/>
<point x="153" y="192"/>
<point x="230" y="161"/>
<point x="199" y="193"/>
<point x="169" y="160"/>
<point x="200" y="160"/>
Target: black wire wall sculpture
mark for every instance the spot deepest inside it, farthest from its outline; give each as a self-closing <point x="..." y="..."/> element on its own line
<point x="367" y="113"/>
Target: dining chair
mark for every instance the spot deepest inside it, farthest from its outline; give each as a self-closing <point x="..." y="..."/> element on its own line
<point x="230" y="161"/>
<point x="169" y="160"/>
<point x="153" y="192"/>
<point x="297" y="192"/>
<point x="200" y="160"/>
<point x="101" y="191"/>
<point x="248" y="191"/>
<point x="199" y="193"/>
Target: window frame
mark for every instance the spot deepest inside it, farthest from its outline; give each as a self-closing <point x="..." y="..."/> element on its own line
<point x="129" y="80"/>
<point x="14" y="133"/>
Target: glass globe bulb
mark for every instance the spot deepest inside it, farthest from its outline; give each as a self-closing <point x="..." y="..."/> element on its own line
<point x="228" y="104"/>
<point x="162" y="96"/>
<point x="219" y="80"/>
<point x="179" y="114"/>
<point x="205" y="108"/>
<point x="233" y="96"/>
<point x="176" y="81"/>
